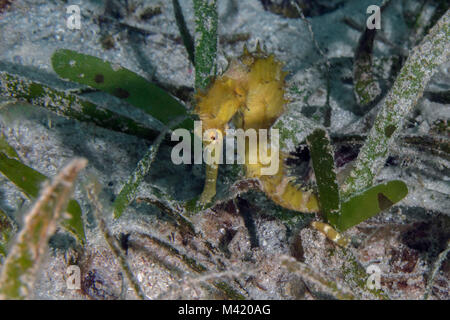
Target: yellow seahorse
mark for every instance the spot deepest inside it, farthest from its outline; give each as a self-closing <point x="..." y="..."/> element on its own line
<point x="280" y="187"/>
<point x="251" y="94"/>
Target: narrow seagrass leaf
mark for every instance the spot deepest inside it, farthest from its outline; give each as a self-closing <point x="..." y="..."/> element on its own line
<point x="69" y="105"/>
<point x="119" y="82"/>
<point x="6" y="148"/>
<point x="72" y="221"/>
<point x="128" y="191"/>
<point x="422" y="63"/>
<point x="7" y="230"/>
<point x="206" y="25"/>
<point x="324" y="170"/>
<point x="370" y="202"/>
<point x="30" y="181"/>
<point x="24" y="259"/>
<point x="184" y="31"/>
